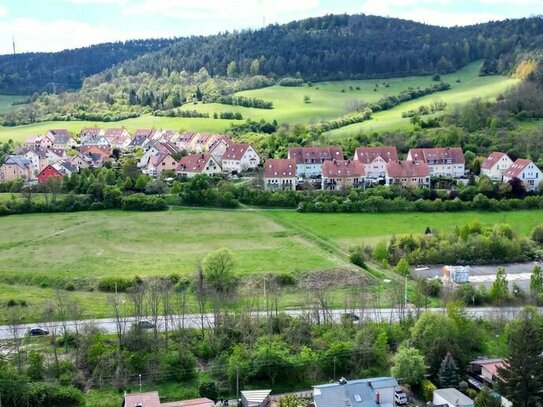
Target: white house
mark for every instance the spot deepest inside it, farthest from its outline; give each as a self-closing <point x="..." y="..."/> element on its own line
<point x="375" y="159"/>
<point x="451" y="398"/>
<point x="62" y="139"/>
<point x="408" y="173"/>
<point x="280" y="174"/>
<point x="341" y="174"/>
<point x="117" y="137"/>
<point x="372" y="392"/>
<point x="443" y="162"/>
<point x="38" y="159"/>
<point x="527" y="172"/>
<point x="239" y="157"/>
<point x="309" y="160"/>
<point x="495" y="165"/>
<point x="255" y="398"/>
<point x="154" y="148"/>
<point x="195" y="164"/>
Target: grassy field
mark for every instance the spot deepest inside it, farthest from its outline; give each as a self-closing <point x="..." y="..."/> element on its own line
<point x="328" y="100"/>
<point x="42" y="251"/>
<point x="7" y="100"/>
<point x="470" y="86"/>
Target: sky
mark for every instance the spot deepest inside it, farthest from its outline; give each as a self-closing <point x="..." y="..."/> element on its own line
<point x="53" y="25"/>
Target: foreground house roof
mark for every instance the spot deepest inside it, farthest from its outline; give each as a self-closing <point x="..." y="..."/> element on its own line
<point x="318" y="155"/>
<point x="150" y="399"/>
<point x="366" y="155"/>
<point x="342" y="168"/>
<point x="441" y="155"/>
<point x="354" y="393"/>
<point x="491" y="160"/>
<point x="193" y="162"/>
<point x="235" y="151"/>
<point x="516" y="169"/>
<point x="277" y="168"/>
<point x="408" y="169"/>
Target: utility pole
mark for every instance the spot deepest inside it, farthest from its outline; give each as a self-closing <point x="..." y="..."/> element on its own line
<point x="13" y="40"/>
<point x="140" y="383"/>
<point x="237" y="385"/>
<point x="334" y="368"/>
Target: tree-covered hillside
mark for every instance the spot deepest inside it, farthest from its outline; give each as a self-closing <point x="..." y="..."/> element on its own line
<point x="47" y="71"/>
<point x="343" y="46"/>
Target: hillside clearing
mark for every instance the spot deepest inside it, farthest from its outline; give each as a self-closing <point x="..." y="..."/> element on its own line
<point x="6" y="102"/>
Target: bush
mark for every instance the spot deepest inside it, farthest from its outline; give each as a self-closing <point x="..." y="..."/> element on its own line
<point x="537" y="234"/>
<point x="52" y="395"/>
<point x="209" y="390"/>
<point x="108" y="284"/>
<point x="285" y="279"/>
<point x="291" y="82"/>
<point x="428" y="390"/>
<point x="357" y="256"/>
<point x="141" y="202"/>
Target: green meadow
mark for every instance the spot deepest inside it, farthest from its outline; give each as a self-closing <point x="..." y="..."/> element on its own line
<point x="6" y="102"/>
<point x="42" y="253"/>
<point x="328" y="100"/>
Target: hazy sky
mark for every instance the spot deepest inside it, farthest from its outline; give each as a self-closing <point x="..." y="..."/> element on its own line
<point x="51" y="25"/>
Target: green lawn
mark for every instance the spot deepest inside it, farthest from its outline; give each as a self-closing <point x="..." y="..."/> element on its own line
<point x="470" y="86"/>
<point x="349" y="229"/>
<point x="7" y="100"/>
<point x="328" y="100"/>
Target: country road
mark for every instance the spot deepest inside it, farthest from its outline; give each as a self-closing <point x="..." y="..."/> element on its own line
<point x="195" y="320"/>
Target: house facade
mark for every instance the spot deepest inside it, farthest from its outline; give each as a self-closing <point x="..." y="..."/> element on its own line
<point x="309" y="160"/>
<point x="16" y="167"/>
<point x="159" y="163"/>
<point x="375" y="159"/>
<point x="373" y="392"/>
<point x="37" y="157"/>
<point x="62" y="139"/>
<point x="117" y="137"/>
<point x="239" y="157"/>
<point x="496" y="165"/>
<point x="49" y="172"/>
<point x="443" y="162"/>
<point x="195" y="164"/>
<point x="414" y="173"/>
<point x="342" y="174"/>
<point x="280" y="174"/>
<point x="526" y="171"/>
<point x="451" y="398"/>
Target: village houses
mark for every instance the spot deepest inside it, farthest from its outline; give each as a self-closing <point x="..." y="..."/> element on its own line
<point x="117" y="138"/>
<point x="309" y="160"/>
<point x="239" y="157"/>
<point x="375" y="159"/>
<point x="526" y="171"/>
<point x="195" y="164"/>
<point x="342" y="174"/>
<point x="62" y="139"/>
<point x="496" y="165"/>
<point x="408" y="173"/>
<point x="280" y="174"/>
<point x="16" y="167"/>
<point x="446" y="162"/>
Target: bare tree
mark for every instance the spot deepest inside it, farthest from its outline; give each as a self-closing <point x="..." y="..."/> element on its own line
<point x="153" y="297"/>
<point x="201" y="293"/>
<point x="75" y="313"/>
<point x="62" y="315"/>
<point x="49" y="314"/>
<point x="14" y="321"/>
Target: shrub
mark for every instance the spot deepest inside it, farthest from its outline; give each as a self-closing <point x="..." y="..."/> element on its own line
<point x="428" y="389"/>
<point x="291" y="82"/>
<point x="209" y="390"/>
<point x="108" y="284"/>
<point x="285" y="279"/>
<point x="537" y="234"/>
<point x="357" y="256"/>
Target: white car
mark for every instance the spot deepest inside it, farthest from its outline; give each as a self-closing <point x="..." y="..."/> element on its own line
<point x="400" y="398"/>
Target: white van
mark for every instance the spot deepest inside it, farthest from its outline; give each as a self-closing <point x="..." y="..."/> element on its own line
<point x="400" y="398"/>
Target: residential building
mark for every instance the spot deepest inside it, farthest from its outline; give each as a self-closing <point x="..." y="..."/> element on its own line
<point x="139" y="141"/>
<point x="280" y="174"/>
<point x="152" y="399"/>
<point x="44" y="142"/>
<point x="195" y="164"/>
<point x="495" y="165"/>
<point x="239" y="157"/>
<point x="356" y="393"/>
<point x="155" y="147"/>
<point x="90" y="131"/>
<point x="159" y="163"/>
<point x="170" y="136"/>
<point x="99" y="150"/>
<point x="49" y="172"/>
<point x="255" y="398"/>
<point x="149" y="134"/>
<point x="218" y="148"/>
<point x="451" y="398"/>
<point x="117" y="137"/>
<point x="81" y="161"/>
<point x="408" y="173"/>
<point x="201" y="402"/>
<point x="95" y="141"/>
<point x="65" y="167"/>
<point x="184" y="142"/>
<point x="375" y="159"/>
<point x="443" y="162"/>
<point x="343" y="174"/>
<point x="55" y="154"/>
<point x="526" y="171"/>
<point x="484" y="371"/>
<point x="309" y="160"/>
<point x="62" y="139"/>
<point x="38" y="158"/>
<point x="16" y="167"/>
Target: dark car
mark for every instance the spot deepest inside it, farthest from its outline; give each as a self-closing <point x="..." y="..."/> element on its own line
<point x="145" y="324"/>
<point x="349" y="316"/>
<point x="38" y="332"/>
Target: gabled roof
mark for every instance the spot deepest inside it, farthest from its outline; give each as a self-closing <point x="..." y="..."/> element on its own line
<point x="342" y="168"/>
<point x="187" y="137"/>
<point x="59" y="152"/>
<point x="278" y="168"/>
<point x="354" y="393"/>
<point x="454" y="397"/>
<point x="147" y="133"/>
<point x="48" y="169"/>
<point x="366" y="155"/>
<point x="193" y="162"/>
<point x="489" y="364"/>
<point x="235" y="151"/>
<point x="138" y="141"/>
<point x="201" y="402"/>
<point x="319" y="154"/>
<point x="149" y="399"/>
<point x="407" y="169"/>
<point x="114" y="132"/>
<point x="40" y="152"/>
<point x="516" y="169"/>
<point x="430" y="154"/>
<point x="89" y="131"/>
<point x="155" y="160"/>
<point x="60" y="132"/>
<point x="19" y="160"/>
<point x="492" y="160"/>
<point x="68" y="166"/>
<point x="255" y="397"/>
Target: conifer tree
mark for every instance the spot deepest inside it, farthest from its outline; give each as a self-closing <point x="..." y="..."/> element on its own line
<point x="448" y="372"/>
<point x="486" y="399"/>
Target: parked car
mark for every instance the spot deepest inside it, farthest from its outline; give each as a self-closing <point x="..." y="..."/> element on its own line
<point x="400" y="398"/>
<point x="349" y="316"/>
<point x="38" y="332"/>
<point x="145" y="324"/>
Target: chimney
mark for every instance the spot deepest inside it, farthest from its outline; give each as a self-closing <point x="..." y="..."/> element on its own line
<point x="378" y="398"/>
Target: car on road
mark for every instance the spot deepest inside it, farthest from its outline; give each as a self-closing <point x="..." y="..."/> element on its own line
<point x="349" y="316"/>
<point x="400" y="398"/>
<point x="38" y="332"/>
<point x="145" y="324"/>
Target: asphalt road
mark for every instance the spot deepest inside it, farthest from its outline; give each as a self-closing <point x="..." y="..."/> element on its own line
<point x="109" y="325"/>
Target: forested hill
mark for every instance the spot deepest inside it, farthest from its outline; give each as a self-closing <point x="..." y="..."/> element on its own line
<point x="45" y="71"/>
<point x="343" y="46"/>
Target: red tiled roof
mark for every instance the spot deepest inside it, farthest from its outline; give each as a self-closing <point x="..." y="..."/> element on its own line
<point x="408" y="169"/>
<point x="492" y="160"/>
<point x="516" y="169"/>
<point x="58" y="151"/>
<point x="201" y="402"/>
<point x="61" y="132"/>
<point x="166" y="147"/>
<point x="489" y="364"/>
<point x="193" y="162"/>
<point x="150" y="399"/>
<point x="148" y="133"/>
<point x="103" y="151"/>
<point x="342" y="168"/>
<point x="235" y="151"/>
<point x="90" y="131"/>
<point x="274" y="168"/>
<point x="430" y="154"/>
<point x="366" y="155"/>
<point x="319" y="154"/>
<point x="186" y="137"/>
<point x="157" y="159"/>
